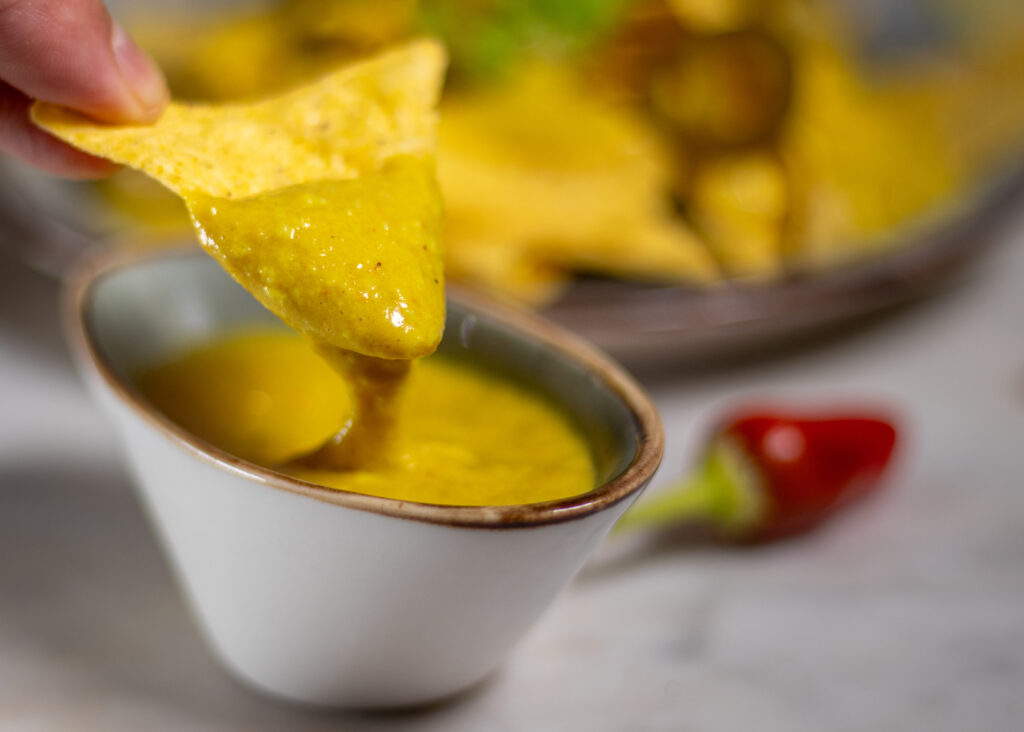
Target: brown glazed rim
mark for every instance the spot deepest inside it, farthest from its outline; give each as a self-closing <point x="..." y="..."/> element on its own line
<point x="650" y="437"/>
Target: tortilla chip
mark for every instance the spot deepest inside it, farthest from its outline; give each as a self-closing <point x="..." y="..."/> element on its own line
<point x="740" y="201"/>
<point x="343" y="125"/>
<point x="504" y="269"/>
<point x="564" y="181"/>
<point x="373" y="121"/>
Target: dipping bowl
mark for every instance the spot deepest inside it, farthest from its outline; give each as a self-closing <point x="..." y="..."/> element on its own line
<point x="334" y="598"/>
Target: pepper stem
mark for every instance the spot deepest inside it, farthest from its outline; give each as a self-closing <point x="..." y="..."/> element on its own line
<point x="722" y="491"/>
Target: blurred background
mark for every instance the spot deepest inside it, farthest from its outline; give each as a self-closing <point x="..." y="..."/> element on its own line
<point x="636" y="165"/>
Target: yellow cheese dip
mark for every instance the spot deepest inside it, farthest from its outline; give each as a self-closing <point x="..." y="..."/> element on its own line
<point x="461" y="436"/>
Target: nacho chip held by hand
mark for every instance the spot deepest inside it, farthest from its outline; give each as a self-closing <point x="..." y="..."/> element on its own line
<point x="321" y="202"/>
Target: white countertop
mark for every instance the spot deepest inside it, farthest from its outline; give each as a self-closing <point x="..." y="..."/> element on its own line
<point x="907" y="613"/>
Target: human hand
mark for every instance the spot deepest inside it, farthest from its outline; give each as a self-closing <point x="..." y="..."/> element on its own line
<point x="70" y="52"/>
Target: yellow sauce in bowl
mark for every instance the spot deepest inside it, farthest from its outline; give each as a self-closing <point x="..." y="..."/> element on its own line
<point x="460" y="436"/>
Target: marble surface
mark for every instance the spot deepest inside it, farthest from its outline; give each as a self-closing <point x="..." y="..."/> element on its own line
<point x="905" y="614"/>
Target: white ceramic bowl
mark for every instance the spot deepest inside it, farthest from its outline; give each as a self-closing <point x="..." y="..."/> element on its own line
<point x="328" y="597"/>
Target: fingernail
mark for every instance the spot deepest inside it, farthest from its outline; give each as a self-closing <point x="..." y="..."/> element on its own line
<point x="139" y="72"/>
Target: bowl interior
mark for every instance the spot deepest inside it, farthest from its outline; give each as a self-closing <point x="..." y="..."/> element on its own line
<point x="157" y="307"/>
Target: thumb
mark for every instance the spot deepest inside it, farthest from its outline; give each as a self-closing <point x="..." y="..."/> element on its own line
<point x="70" y="52"/>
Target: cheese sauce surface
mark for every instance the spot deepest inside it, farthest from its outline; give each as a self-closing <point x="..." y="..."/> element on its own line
<point x="460" y="435"/>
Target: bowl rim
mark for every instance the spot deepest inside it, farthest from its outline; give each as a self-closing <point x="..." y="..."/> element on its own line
<point x="81" y="281"/>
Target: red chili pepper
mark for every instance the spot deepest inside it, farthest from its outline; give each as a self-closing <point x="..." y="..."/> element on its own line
<point x="768" y="474"/>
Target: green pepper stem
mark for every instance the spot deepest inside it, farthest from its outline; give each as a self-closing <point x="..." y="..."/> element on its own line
<point x="723" y="491"/>
<point x="693" y="497"/>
